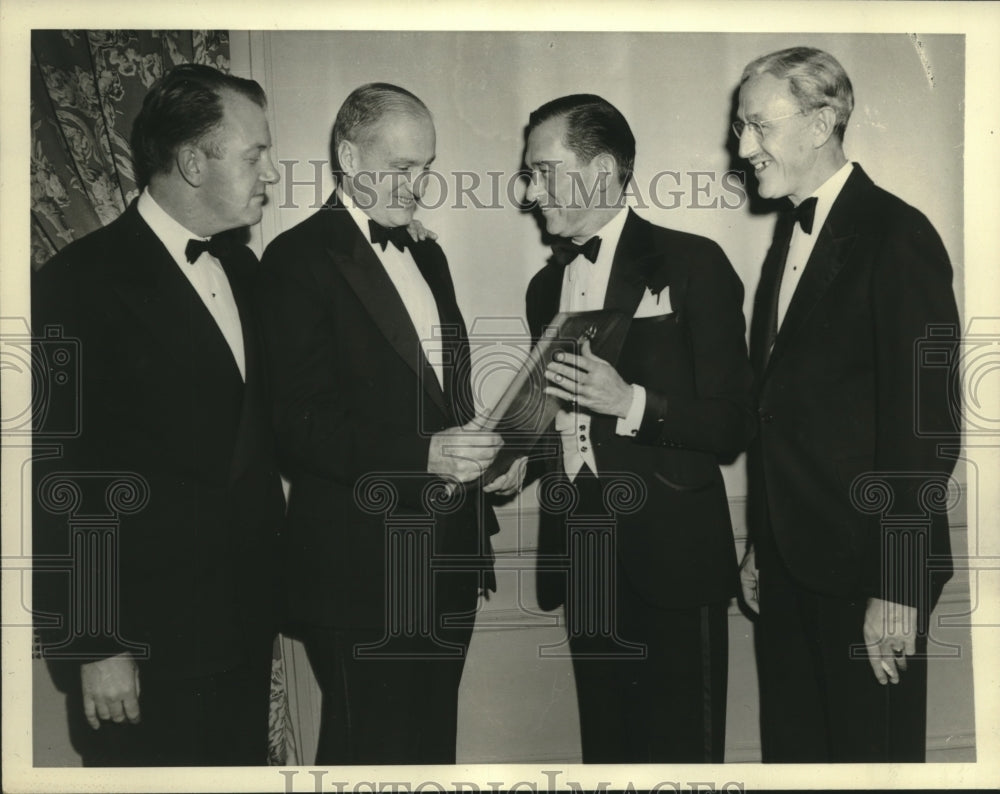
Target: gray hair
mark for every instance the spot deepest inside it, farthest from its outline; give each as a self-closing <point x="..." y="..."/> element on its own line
<point x="816" y="79"/>
<point x="362" y="111"/>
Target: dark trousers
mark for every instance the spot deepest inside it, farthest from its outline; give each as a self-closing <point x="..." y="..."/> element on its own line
<point x="651" y="682"/>
<point x="212" y="720"/>
<point x="819" y="699"/>
<point x="395" y="701"/>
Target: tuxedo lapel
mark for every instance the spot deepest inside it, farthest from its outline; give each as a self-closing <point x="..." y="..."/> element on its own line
<point x="162" y="299"/>
<point x="240" y="285"/>
<point x="353" y="256"/>
<point x="454" y="338"/>
<point x="631" y="267"/>
<point x="825" y="262"/>
<point x="832" y="250"/>
<point x="549" y="291"/>
<point x="251" y="410"/>
<point x="766" y="298"/>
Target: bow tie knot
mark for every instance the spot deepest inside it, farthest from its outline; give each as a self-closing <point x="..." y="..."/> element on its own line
<point x="805" y="213"/>
<point x="382" y="235"/>
<point x="565" y="251"/>
<point x="218" y="246"/>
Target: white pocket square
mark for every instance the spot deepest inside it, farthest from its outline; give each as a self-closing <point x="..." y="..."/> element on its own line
<point x="654" y="305"/>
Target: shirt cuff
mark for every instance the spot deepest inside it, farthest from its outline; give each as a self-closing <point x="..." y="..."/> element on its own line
<point x="629" y="425"/>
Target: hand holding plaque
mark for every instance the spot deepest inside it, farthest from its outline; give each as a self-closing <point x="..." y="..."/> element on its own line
<point x="525" y="410"/>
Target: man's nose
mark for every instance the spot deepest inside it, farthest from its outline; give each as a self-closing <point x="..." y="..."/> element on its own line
<point x="748" y="143"/>
<point x="269" y="175"/>
<point x="406" y="185"/>
<point x="416" y="183"/>
<point x="532" y="189"/>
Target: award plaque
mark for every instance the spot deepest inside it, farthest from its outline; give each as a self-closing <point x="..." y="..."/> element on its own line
<point x="525" y="411"/>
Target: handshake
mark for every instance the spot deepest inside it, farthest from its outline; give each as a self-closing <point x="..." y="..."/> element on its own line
<point x="462" y="454"/>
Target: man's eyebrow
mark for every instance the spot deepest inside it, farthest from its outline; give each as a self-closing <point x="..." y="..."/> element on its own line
<point x="403" y="161"/>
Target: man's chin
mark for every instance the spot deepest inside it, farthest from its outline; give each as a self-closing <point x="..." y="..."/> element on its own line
<point x="767" y="189"/>
<point x="399" y="217"/>
<point x="553" y="224"/>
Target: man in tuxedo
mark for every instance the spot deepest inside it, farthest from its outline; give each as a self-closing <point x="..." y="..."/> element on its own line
<point x="388" y="530"/>
<point x="854" y="280"/>
<point x="646" y="534"/>
<point x="156" y="529"/>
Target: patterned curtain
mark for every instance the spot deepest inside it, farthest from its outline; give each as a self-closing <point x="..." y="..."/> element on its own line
<point x="87" y="87"/>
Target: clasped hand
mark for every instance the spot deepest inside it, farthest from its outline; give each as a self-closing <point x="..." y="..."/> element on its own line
<point x="511" y="481"/>
<point x="463" y="453"/>
<point x="589" y="382"/>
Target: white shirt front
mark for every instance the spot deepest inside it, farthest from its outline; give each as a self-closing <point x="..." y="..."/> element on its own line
<point x="205" y="274"/>
<point x="584" y="288"/>
<point x="802" y="244"/>
<point x="412" y="288"/>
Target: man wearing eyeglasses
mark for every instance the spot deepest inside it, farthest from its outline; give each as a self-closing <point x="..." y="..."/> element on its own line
<point x="852" y="282"/>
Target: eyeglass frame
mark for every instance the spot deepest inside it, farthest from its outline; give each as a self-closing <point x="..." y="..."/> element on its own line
<point x="756" y="127"/>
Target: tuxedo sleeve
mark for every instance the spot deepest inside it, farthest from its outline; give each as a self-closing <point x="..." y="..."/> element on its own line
<point x="916" y="405"/>
<point x="67" y="449"/>
<point x="317" y="431"/>
<point x="716" y="414"/>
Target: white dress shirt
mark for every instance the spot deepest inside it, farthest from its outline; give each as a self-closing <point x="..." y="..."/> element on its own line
<point x="802" y="244"/>
<point x="205" y="274"/>
<point x="412" y="288"/>
<point x="585" y="285"/>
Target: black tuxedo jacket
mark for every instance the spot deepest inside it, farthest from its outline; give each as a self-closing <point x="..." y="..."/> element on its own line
<point x="678" y="547"/>
<point x="842" y="395"/>
<point x="162" y="403"/>
<point x="356" y="405"/>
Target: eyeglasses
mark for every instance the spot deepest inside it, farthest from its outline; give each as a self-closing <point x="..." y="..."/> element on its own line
<point x="759" y="128"/>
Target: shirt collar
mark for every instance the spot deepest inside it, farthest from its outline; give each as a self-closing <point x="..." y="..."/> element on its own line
<point x="609" y="233"/>
<point x="827" y="193"/>
<point x="359" y="216"/>
<point x="172" y="234"/>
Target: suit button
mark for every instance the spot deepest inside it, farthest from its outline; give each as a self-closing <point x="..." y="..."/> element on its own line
<point x="766" y="418"/>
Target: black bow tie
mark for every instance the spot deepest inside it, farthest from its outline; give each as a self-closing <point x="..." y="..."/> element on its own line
<point x="382" y="235"/>
<point x="218" y="246"/>
<point x="805" y="213"/>
<point x="565" y="251"/>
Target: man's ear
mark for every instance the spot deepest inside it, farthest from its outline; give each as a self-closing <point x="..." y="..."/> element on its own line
<point x="190" y="162"/>
<point x="347" y="154"/>
<point x="607" y="169"/>
<point x="605" y="162"/>
<point x="824" y="124"/>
